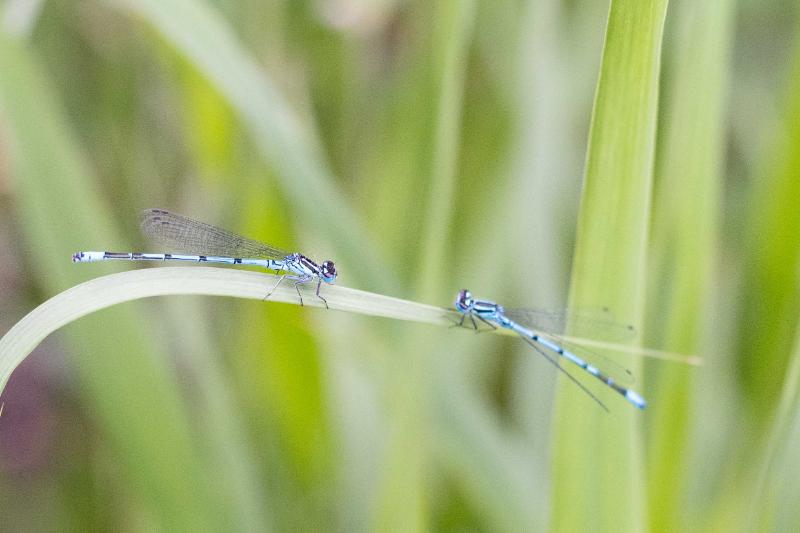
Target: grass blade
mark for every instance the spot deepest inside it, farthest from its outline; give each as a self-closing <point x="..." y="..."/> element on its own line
<point x="598" y="458"/>
<point x="685" y="234"/>
<point x="400" y="504"/>
<point x="776" y="487"/>
<point x="106" y="291"/>
<point x="771" y="284"/>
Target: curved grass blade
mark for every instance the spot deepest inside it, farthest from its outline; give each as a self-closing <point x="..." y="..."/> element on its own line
<point x="684" y="257"/>
<point x="113" y="289"/>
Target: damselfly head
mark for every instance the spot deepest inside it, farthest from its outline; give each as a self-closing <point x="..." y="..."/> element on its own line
<point x="464" y="301"/>
<point x="328" y="272"/>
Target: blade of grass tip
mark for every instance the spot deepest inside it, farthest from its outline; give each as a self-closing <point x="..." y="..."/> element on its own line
<point x="598" y="458"/>
<point x="117" y="288"/>
<point x="59" y="206"/>
<point x="199" y="32"/>
<point x="664" y="355"/>
<point x="685" y="235"/>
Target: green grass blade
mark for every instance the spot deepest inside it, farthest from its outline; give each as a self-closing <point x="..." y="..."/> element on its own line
<point x="685" y="234"/>
<point x="454" y="31"/>
<point x="776" y="488"/>
<point x="113" y="289"/>
<point x="771" y="254"/>
<point x="493" y="464"/>
<point x="769" y="330"/>
<point x="598" y="456"/>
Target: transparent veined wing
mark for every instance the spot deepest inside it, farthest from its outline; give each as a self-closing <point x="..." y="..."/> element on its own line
<point x="596" y="324"/>
<point x="184" y="234"/>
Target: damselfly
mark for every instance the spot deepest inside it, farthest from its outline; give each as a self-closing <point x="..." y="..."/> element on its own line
<point x="216" y="245"/>
<point x="519" y="321"/>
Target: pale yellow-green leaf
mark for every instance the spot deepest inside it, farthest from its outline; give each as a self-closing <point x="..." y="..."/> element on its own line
<point x="685" y="234"/>
<point x="598" y="459"/>
<point x="109" y="290"/>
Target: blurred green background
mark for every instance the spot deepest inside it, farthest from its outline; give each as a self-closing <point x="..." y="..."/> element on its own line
<point x="425" y="147"/>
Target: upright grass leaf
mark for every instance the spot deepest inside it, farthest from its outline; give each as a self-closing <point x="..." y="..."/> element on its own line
<point x="598" y="457"/>
<point x="59" y="210"/>
<point x="401" y="503"/>
<point x="212" y="135"/>
<point x="491" y="463"/>
<point x="771" y="286"/>
<point x="392" y="121"/>
<point x="455" y="20"/>
<point x="278" y="358"/>
<point x="769" y="330"/>
<point x="542" y="158"/>
<point x="776" y="489"/>
<point x="765" y="335"/>
<point x="686" y="211"/>
<point x="289" y="146"/>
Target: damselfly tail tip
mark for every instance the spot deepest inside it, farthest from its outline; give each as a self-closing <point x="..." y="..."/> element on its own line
<point x="77" y="256"/>
<point x="635" y="399"/>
